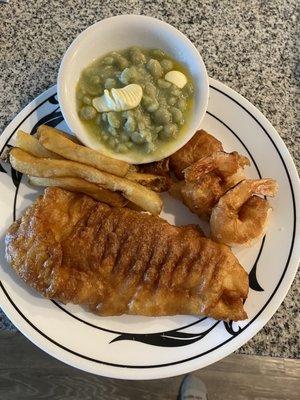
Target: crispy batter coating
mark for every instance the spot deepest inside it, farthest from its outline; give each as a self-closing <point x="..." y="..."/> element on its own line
<point x="160" y="168"/>
<point x="119" y="261"/>
<point x="208" y="179"/>
<point x="201" y="145"/>
<point x="241" y="217"/>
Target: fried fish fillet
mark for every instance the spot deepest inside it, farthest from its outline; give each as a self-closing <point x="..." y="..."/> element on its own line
<point x="118" y="261"/>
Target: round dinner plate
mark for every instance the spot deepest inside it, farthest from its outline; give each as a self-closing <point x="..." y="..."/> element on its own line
<point x="133" y="347"/>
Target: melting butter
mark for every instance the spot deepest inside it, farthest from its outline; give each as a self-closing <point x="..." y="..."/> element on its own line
<point x="122" y="99"/>
<point x="177" y="78"/>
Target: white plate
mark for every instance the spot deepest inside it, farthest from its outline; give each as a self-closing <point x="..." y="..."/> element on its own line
<point x="132" y="347"/>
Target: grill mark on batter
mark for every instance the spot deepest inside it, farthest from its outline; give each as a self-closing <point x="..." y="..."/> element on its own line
<point x="156" y="282"/>
<point x="150" y="264"/>
<point x="106" y="236"/>
<point x="100" y="240"/>
<point x="137" y="254"/>
<point x="129" y="268"/>
<point x="183" y="261"/>
<point x="77" y="230"/>
<point x="214" y="272"/>
<point x="125" y="239"/>
<point x="175" y="262"/>
<point x="96" y="259"/>
<point x="187" y="235"/>
<point x="139" y="273"/>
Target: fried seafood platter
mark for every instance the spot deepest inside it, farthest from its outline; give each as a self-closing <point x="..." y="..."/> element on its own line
<point x="95" y="237"/>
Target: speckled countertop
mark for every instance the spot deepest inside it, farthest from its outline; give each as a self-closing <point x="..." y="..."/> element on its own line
<point x="248" y="45"/>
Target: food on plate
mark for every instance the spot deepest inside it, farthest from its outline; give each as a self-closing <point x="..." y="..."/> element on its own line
<point x="214" y="188"/>
<point x="158" y="183"/>
<point x="31" y="145"/>
<point x="118" y="261"/>
<point x="50" y="168"/>
<point x="62" y="133"/>
<point x="177" y="78"/>
<point x="228" y="167"/>
<point x="202" y="144"/>
<point x="240" y="217"/>
<point x="156" y="168"/>
<point x="80" y="185"/>
<point x="160" y="168"/>
<point x="207" y="179"/>
<point x="52" y="140"/>
<point x="135" y="100"/>
<point x="123" y="99"/>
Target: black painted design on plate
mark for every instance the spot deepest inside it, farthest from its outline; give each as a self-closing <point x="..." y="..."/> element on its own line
<point x="53" y="99"/>
<point x="230" y="328"/>
<point x="16" y="176"/>
<point x="21" y="122"/>
<point x="2" y="169"/>
<point x="52" y="119"/>
<point x="172" y="338"/>
<point x="70" y="351"/>
<point x="253" y="282"/>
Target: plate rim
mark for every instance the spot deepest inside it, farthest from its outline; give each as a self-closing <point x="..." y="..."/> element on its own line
<point x="266" y="312"/>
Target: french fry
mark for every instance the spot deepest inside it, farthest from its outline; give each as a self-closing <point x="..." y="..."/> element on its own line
<point x="50" y="168"/>
<point x="64" y="134"/>
<point x="54" y="141"/>
<point x="82" y="186"/>
<point x="154" y="182"/>
<point x="31" y="144"/>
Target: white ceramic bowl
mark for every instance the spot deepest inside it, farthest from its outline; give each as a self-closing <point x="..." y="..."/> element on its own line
<point x="118" y="33"/>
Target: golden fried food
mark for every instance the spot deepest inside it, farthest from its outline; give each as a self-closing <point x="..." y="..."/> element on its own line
<point x="208" y="179"/>
<point x="227" y="166"/>
<point x="159" y="168"/>
<point x="118" y="261"/>
<point x="240" y="217"/>
<point x="62" y="133"/>
<point x="199" y="198"/>
<point x="31" y="144"/>
<point x="49" y="168"/>
<point x="82" y="186"/>
<point x="157" y="183"/>
<point x="201" y="145"/>
<point x="52" y="140"/>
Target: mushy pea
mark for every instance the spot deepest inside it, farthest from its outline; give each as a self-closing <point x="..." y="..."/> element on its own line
<point x="135" y="100"/>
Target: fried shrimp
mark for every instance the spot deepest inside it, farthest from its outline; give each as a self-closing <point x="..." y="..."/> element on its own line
<point x="201" y="145"/>
<point x="208" y="179"/>
<point x="226" y="166"/>
<point x="240" y="217"/>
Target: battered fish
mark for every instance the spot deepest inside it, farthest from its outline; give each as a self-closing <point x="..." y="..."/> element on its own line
<point x="118" y="261"/>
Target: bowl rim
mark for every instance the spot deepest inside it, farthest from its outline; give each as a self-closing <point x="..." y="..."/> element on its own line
<point x="73" y="122"/>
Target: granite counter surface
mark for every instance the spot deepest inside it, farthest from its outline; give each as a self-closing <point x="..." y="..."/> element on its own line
<point x="248" y="45"/>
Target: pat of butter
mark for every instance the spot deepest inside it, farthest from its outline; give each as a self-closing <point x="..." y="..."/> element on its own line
<point x="122" y="99"/>
<point x="177" y="78"/>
